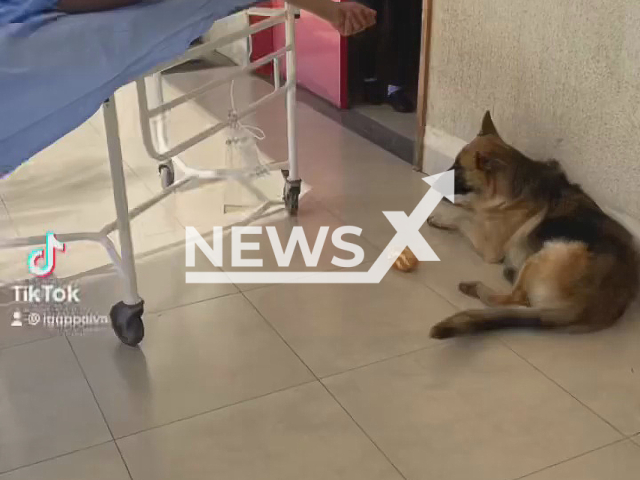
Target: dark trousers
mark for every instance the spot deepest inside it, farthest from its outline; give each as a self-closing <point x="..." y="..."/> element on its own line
<point x="390" y="51"/>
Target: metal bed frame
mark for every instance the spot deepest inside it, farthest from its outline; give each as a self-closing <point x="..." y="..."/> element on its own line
<point x="126" y="316"/>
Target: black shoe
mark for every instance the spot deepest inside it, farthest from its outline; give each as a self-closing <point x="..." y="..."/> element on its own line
<point x="401" y="102"/>
<point x="373" y="93"/>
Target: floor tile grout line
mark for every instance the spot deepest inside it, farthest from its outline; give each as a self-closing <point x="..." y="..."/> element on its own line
<point x="149" y="313"/>
<point x="381" y="360"/>
<point x="320" y="378"/>
<point x="563" y="389"/>
<point x="12" y="222"/>
<point x="264" y="319"/>
<point x="48" y="459"/>
<point x="364" y="432"/>
<point x="142" y="181"/>
<point x="28" y="342"/>
<point x="457" y="308"/>
<point x="342" y="220"/>
<point x="393" y="357"/>
<point x="575" y="457"/>
<point x="398" y="355"/>
<point x="364" y="237"/>
<point x="317" y="379"/>
<point x="195" y="302"/>
<point x="335" y="374"/>
<point x="124" y="462"/>
<point x="207" y="412"/>
<point x="95" y="399"/>
<point x="309" y="272"/>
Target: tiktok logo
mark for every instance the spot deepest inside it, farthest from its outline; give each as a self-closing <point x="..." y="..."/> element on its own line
<point x="48" y="254"/>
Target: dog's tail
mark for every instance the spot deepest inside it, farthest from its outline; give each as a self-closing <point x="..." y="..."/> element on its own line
<point x="475" y="321"/>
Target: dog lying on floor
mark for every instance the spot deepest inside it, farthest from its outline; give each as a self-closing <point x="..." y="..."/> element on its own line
<point x="572" y="266"/>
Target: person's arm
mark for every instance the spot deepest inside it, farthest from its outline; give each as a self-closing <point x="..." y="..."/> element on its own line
<point x="347" y="17"/>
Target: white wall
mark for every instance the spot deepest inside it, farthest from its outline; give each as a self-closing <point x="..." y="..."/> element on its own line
<point x="562" y="79"/>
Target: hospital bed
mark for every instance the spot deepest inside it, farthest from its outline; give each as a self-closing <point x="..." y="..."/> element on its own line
<point x="57" y="70"/>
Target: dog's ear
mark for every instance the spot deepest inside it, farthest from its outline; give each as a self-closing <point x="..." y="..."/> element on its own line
<point x="488" y="128"/>
<point x="488" y="164"/>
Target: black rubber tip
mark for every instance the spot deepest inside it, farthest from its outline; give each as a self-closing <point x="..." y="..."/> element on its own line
<point x="127" y="324"/>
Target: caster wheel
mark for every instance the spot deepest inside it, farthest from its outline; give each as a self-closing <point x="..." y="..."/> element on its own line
<point x="291" y="200"/>
<point x="126" y="321"/>
<point x="291" y="193"/>
<point x="167" y="176"/>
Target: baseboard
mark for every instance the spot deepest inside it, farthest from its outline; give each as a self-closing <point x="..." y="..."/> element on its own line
<point x="440" y="149"/>
<point x="630" y="223"/>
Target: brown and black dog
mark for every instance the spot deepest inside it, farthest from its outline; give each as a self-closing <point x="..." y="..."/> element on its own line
<point x="571" y="265"/>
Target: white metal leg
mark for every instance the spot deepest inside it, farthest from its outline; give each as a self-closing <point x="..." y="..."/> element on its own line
<point x="131" y="296"/>
<point x="156" y="95"/>
<point x="160" y="134"/>
<point x="159" y="122"/>
<point x="276" y="74"/>
<point x="292" y="80"/>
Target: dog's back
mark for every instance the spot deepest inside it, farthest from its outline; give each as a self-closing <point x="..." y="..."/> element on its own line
<point x="611" y="280"/>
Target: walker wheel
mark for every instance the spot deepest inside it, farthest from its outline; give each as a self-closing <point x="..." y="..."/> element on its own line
<point x="167" y="176"/>
<point x="291" y="193"/>
<point x="291" y="200"/>
<point x="126" y="321"/>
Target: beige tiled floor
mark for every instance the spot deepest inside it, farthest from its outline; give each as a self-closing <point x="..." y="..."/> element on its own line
<point x="476" y="404"/>
<point x="614" y="462"/>
<point x="99" y="463"/>
<point x="246" y="382"/>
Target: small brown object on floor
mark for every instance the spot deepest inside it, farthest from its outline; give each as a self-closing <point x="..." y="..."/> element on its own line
<point x="406" y="261"/>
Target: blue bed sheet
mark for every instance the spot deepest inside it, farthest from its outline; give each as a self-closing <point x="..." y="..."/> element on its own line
<point x="16" y="11"/>
<point x="56" y="69"/>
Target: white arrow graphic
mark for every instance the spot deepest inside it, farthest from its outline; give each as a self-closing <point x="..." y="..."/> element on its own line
<point x="408" y="235"/>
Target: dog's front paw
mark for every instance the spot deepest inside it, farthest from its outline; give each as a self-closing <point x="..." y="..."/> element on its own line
<point x="470" y="289"/>
<point x="436" y="221"/>
<point x="509" y="274"/>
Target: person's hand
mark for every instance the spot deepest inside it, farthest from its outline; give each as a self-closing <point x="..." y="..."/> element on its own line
<point x="351" y="18"/>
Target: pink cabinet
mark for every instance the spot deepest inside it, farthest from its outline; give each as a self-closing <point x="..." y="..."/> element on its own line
<point x="322" y="56"/>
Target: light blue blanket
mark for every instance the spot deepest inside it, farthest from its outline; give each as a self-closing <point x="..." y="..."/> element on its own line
<point x="56" y="69"/>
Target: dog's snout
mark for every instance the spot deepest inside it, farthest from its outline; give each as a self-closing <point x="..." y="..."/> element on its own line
<point x="460" y="184"/>
<point x="456" y="163"/>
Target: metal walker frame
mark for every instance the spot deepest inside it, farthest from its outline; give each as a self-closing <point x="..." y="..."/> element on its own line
<point x="126" y="316"/>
